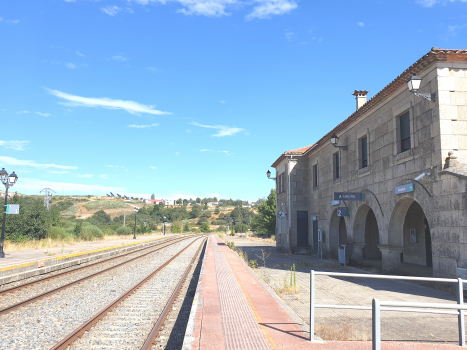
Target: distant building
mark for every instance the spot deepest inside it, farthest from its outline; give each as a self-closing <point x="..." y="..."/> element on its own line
<point x="212" y="204"/>
<point x="153" y="201"/>
<point x="168" y="202"/>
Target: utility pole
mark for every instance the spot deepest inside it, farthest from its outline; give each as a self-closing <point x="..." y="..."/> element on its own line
<point x="47" y="194"/>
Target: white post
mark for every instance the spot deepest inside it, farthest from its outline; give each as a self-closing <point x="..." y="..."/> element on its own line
<point x="312" y="305"/>
<point x="460" y="301"/>
<point x="376" y="324"/>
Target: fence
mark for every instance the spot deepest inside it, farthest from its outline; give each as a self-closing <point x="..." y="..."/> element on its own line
<point x="378" y="306"/>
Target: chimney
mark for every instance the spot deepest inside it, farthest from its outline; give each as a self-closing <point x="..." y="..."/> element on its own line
<point x="360" y="97"/>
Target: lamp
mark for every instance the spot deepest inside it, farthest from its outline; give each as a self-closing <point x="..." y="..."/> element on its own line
<point x="13" y="178"/>
<point x="8" y="181"/>
<point x="3" y="175"/>
<point x="335" y="140"/>
<point x="134" y="234"/>
<point x="268" y="174"/>
<point x="414" y="85"/>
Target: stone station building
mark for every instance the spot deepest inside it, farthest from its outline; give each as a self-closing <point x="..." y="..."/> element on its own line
<point x="401" y="221"/>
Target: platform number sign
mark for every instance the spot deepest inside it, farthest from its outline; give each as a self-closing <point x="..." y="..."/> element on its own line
<point x="12" y="209"/>
<point x="343" y="211"/>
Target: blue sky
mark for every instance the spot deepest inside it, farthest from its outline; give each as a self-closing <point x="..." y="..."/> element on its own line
<point x="188" y="98"/>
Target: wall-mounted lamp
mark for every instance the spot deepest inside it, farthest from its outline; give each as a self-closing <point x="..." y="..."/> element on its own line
<point x="335" y="141"/>
<point x="268" y="174"/>
<point x="414" y="85"/>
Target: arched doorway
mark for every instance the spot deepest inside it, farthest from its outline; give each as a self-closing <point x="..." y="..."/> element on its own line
<point x="371" y="250"/>
<point x="409" y="228"/>
<point x="337" y="233"/>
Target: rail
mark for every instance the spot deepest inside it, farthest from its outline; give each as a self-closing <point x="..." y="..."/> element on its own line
<point x="392" y="306"/>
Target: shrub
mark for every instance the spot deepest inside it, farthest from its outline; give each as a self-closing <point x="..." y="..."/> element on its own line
<point x="218" y="222"/>
<point x="59" y="233"/>
<point x="101" y="204"/>
<point x="204" y="227"/>
<point x="90" y="231"/>
<point x="124" y="231"/>
<point x="202" y="221"/>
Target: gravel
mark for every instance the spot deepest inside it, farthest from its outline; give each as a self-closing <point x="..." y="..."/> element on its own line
<point x="43" y="323"/>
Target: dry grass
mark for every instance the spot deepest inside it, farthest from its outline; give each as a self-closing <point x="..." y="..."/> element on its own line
<point x="269" y="240"/>
<point x="51" y="243"/>
<point x="340" y="332"/>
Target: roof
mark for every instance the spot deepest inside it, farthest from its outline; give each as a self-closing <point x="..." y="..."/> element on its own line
<point x="434" y="55"/>
<point x="293" y="152"/>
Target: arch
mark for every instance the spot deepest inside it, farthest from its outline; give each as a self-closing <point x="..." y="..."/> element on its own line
<point x="337" y="233"/>
<point x="366" y="234"/>
<point x="409" y="229"/>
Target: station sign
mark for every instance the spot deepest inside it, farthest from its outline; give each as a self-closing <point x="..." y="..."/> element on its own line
<point x="348" y="196"/>
<point x="343" y="211"/>
<point x="336" y="202"/>
<point x="12" y="209"/>
<point x="403" y="189"/>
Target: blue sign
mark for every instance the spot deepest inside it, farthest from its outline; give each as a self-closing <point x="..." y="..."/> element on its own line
<point x="403" y="189"/>
<point x="343" y="211"/>
<point x="12" y="209"/>
<point x="348" y="196"/>
<point x="336" y="202"/>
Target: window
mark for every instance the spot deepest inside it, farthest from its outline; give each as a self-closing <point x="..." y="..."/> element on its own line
<point x="315" y="175"/>
<point x="363" y="152"/>
<point x="404" y="124"/>
<point x="280" y="183"/>
<point x="335" y="157"/>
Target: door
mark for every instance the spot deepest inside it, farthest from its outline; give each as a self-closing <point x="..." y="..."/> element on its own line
<point x="315" y="237"/>
<point x="302" y="229"/>
<point x="429" y="254"/>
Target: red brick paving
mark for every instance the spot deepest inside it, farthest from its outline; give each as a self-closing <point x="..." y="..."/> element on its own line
<point x="228" y="286"/>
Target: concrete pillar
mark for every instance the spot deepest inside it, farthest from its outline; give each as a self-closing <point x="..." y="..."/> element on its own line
<point x="356" y="253"/>
<point x="391" y="258"/>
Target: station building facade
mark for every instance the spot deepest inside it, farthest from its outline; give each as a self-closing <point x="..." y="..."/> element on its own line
<point x="402" y="219"/>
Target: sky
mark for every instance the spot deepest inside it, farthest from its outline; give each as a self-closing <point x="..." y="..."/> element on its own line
<point x="193" y="98"/>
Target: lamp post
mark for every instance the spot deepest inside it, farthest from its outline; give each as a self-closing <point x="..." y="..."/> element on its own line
<point x="335" y="141"/>
<point x="164" y="224"/>
<point x="134" y="234"/>
<point x="414" y="85"/>
<point x="268" y="174"/>
<point x="8" y="181"/>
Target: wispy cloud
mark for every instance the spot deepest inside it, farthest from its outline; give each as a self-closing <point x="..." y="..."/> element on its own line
<point x="120" y="58"/>
<point x="13" y="21"/>
<point x="58" y="172"/>
<point x="360" y="24"/>
<point x="210" y="150"/>
<point x="427" y="3"/>
<point x="289" y="35"/>
<point x="188" y="131"/>
<point x="85" y="176"/>
<point x="153" y="167"/>
<point x="22" y="112"/>
<point x="152" y="69"/>
<point x="104" y="102"/>
<point x="223" y="130"/>
<point x="268" y="8"/>
<point x="34" y="185"/>
<point x="70" y="65"/>
<point x="103" y="176"/>
<point x="80" y="54"/>
<point x="223" y="101"/>
<point x="218" y="8"/>
<point x="114" y="166"/>
<point x="142" y="126"/>
<point x="111" y="10"/>
<point x="43" y="114"/>
<point x="16" y="145"/>
<point x="31" y="163"/>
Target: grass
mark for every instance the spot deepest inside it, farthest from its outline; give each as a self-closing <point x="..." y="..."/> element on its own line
<point x="340" y="332"/>
<point x="100" y="204"/>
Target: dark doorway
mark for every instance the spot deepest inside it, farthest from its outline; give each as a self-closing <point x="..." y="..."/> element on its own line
<point x="342" y="231"/>
<point x="371" y="237"/>
<point x="429" y="255"/>
<point x="302" y="229"/>
<point x="315" y="237"/>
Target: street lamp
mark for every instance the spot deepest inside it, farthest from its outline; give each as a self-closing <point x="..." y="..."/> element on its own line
<point x="134" y="234"/>
<point x="335" y="141"/>
<point x="268" y="174"/>
<point x="8" y="181"/>
<point x="164" y="224"/>
<point x="414" y="85"/>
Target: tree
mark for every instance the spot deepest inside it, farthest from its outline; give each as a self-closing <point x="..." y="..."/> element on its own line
<point x="179" y="201"/>
<point x="215" y="199"/>
<point x="186" y="227"/>
<point x="265" y="221"/>
<point x="185" y="202"/>
<point x="204" y="227"/>
<point x="198" y="200"/>
<point x="153" y="196"/>
<point x="217" y="210"/>
<point x="195" y="212"/>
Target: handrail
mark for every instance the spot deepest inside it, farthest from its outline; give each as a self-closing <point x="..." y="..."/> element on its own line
<point x="459" y="307"/>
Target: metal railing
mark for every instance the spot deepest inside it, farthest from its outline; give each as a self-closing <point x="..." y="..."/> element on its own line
<point x="379" y="306"/>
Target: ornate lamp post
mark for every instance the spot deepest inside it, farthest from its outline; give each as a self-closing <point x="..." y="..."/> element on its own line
<point x="136" y="211"/>
<point x="164" y="224"/>
<point x="8" y="181"/>
<point x="414" y="85"/>
<point x="335" y="141"/>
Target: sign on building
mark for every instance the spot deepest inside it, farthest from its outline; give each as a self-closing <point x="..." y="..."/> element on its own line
<point x="343" y="211"/>
<point x="403" y="189"/>
<point x="336" y="202"/>
<point x="12" y="209"/>
<point x="348" y="196"/>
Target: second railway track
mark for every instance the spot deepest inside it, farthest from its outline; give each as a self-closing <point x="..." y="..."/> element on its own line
<point x="43" y="323"/>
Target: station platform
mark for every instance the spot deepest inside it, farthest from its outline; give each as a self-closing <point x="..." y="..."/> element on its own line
<point x="232" y="311"/>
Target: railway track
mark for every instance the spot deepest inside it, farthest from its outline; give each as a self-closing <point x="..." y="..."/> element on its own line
<point x="134" y="319"/>
<point x="19" y="296"/>
<point x="43" y="322"/>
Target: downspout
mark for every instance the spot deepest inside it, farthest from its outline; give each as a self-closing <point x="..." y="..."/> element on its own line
<point x="290" y="203"/>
